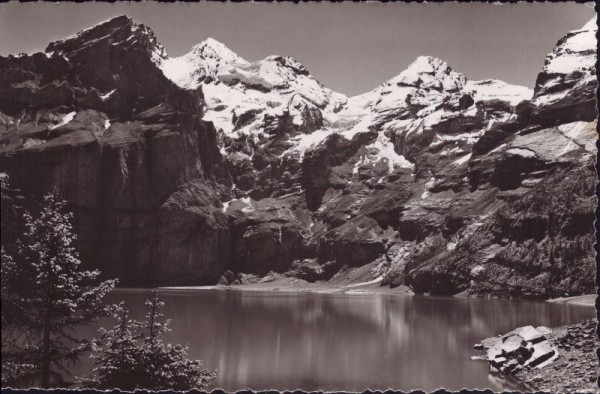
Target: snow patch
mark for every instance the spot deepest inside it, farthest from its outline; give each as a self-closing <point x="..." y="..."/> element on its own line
<point x="569" y="62"/>
<point x="495" y="89"/>
<point x="263" y="74"/>
<point x="226" y="205"/>
<point x="31" y="142"/>
<point x="303" y="142"/>
<point x="462" y="159"/>
<point x="448" y="152"/>
<point x="521" y="152"/>
<point x="248" y="202"/>
<point x="430" y="183"/>
<point x="470" y="138"/>
<point x="66" y="119"/>
<point x="477" y="269"/>
<point x="357" y="165"/>
<point x="107" y="95"/>
<point x="383" y="150"/>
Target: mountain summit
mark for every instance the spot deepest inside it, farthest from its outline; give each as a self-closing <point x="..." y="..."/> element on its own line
<point x="202" y="63"/>
<point x="121" y="31"/>
<point x="570" y="67"/>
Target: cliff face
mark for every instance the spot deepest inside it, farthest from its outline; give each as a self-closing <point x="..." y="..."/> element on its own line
<point x="181" y="168"/>
<point x="95" y="117"/>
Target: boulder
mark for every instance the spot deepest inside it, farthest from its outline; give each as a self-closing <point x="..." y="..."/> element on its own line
<point x="522" y="347"/>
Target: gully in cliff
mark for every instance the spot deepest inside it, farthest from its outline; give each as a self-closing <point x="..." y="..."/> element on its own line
<point x="353" y="215"/>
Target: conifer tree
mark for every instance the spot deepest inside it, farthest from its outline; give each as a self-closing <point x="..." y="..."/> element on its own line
<point x="45" y="295"/>
<point x="132" y="355"/>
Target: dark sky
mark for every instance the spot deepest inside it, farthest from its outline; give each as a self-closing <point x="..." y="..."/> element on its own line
<point x="350" y="47"/>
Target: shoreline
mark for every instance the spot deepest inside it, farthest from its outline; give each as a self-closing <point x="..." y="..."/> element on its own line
<point x="292" y="285"/>
<point x="584" y="300"/>
<point x="300" y="286"/>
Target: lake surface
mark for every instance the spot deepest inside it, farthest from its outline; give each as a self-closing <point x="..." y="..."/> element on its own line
<point x="271" y="340"/>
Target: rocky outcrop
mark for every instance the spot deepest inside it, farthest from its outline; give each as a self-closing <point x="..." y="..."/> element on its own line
<point x="538" y="246"/>
<point x="523" y="347"/>
<point x="535" y="356"/>
<point x="182" y="169"/>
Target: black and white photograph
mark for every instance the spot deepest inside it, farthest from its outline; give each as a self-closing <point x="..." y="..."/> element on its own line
<point x="313" y="196"/>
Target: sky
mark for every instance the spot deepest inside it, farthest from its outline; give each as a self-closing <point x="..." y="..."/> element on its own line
<point x="349" y="47"/>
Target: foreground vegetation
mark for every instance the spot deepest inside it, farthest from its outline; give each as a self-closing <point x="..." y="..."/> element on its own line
<point x="46" y="296"/>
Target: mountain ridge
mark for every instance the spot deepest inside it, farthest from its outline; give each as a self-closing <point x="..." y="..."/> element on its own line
<point x="178" y="176"/>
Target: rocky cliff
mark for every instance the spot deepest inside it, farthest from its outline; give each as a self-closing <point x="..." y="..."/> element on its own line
<point x="95" y="117"/>
<point x="180" y="169"/>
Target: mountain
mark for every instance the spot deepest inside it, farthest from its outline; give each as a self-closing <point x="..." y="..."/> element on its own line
<point x="180" y="169"/>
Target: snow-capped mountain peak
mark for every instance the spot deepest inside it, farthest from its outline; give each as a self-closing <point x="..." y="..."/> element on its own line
<point x="432" y="71"/>
<point x="211" y="48"/>
<point x="266" y="90"/>
<point x="256" y="100"/>
<point x="573" y="61"/>
<point x="203" y="62"/>
<point x="245" y="98"/>
<point x="425" y="65"/>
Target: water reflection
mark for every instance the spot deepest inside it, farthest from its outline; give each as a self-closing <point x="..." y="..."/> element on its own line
<point x="341" y="341"/>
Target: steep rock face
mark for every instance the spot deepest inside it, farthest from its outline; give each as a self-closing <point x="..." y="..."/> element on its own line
<point x="266" y="235"/>
<point x="540" y="162"/>
<point x="97" y="119"/>
<point x="540" y="245"/>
